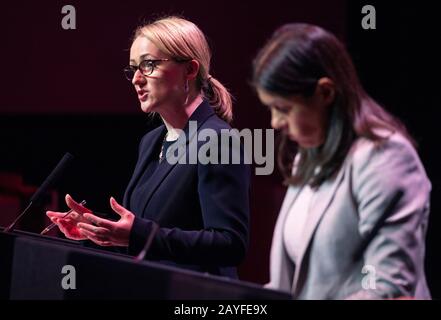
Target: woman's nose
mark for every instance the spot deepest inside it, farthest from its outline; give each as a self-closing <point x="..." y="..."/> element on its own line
<point x="138" y="78"/>
<point x="277" y="122"/>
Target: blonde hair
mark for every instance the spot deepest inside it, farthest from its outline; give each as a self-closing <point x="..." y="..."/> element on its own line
<point x="183" y="40"/>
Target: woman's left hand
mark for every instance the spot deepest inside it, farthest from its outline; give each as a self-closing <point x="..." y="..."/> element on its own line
<point x="108" y="233"/>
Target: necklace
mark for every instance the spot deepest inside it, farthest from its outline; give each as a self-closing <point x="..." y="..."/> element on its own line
<point x="161" y="154"/>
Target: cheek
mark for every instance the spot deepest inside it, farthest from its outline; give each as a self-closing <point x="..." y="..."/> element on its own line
<point x="303" y="125"/>
<point x="166" y="88"/>
<point x="307" y="128"/>
<point x="154" y="86"/>
<point x="172" y="80"/>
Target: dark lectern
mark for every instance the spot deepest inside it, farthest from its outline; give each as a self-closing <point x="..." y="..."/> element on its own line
<point x="31" y="268"/>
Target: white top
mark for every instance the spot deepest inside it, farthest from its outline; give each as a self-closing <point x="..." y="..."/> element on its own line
<point x="295" y="222"/>
<point x="172" y="133"/>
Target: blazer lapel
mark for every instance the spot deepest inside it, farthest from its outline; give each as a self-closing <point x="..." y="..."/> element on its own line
<point x="200" y="115"/>
<point x="323" y="199"/>
<point x="145" y="156"/>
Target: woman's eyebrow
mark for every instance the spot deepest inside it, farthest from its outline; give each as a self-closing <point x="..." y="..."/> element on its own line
<point x="142" y="57"/>
<point x="145" y="55"/>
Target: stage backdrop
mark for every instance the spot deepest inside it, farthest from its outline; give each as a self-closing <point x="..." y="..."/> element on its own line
<point x="64" y="90"/>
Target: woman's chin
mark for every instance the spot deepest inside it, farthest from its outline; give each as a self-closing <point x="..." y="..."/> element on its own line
<point x="305" y="142"/>
<point x="147" y="107"/>
<point x="309" y="144"/>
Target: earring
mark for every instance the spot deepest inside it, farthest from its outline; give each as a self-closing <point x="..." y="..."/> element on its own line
<point x="186" y="90"/>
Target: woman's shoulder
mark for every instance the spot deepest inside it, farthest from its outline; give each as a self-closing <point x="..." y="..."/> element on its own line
<point x="389" y="142"/>
<point x="393" y="151"/>
<point x="215" y="123"/>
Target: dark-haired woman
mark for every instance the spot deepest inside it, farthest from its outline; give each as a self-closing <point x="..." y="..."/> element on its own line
<point x="354" y="219"/>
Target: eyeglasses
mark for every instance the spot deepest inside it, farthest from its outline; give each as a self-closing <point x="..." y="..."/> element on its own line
<point x="146" y="67"/>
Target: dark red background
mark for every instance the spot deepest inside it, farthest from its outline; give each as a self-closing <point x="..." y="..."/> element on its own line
<point x="64" y="90"/>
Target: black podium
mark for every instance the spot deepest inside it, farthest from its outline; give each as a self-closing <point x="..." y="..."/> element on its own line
<point x="31" y="267"/>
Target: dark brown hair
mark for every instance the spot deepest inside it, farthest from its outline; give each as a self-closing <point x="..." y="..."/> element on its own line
<point x="290" y="64"/>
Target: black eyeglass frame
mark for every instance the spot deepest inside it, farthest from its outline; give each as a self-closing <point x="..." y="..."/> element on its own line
<point x="147" y="67"/>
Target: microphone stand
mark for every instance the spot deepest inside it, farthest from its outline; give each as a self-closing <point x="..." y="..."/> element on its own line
<point x="148" y="243"/>
<point x="13" y="224"/>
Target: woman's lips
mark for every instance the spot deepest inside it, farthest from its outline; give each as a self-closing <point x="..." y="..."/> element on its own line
<point x="142" y="96"/>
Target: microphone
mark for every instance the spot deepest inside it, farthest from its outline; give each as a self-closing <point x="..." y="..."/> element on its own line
<point x="50" y="180"/>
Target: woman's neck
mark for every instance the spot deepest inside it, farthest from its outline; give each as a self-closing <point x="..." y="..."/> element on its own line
<point x="177" y="118"/>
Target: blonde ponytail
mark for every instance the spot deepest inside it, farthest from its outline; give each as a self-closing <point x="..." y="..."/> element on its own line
<point x="220" y="98"/>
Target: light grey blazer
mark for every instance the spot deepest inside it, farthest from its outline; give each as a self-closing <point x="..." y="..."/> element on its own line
<point x="344" y="212"/>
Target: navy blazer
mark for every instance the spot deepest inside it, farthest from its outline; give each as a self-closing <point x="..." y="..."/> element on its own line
<point x="202" y="210"/>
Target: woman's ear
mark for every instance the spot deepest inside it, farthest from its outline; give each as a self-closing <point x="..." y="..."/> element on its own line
<point x="192" y="69"/>
<point x="326" y="91"/>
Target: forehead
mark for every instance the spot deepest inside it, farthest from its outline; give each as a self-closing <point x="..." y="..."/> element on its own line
<point x="143" y="47"/>
<point x="270" y="99"/>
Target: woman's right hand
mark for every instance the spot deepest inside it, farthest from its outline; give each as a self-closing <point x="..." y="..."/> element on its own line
<point x="68" y="224"/>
